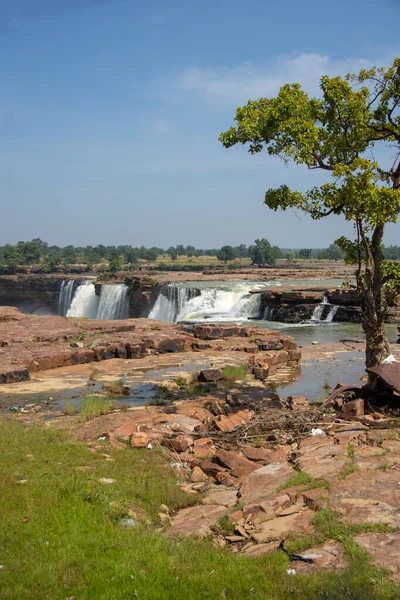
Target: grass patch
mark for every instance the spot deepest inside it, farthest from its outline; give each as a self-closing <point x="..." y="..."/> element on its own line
<point x="234" y="373"/>
<point x="116" y="389"/>
<point x="224" y="526"/>
<point x="95" y="406"/>
<point x="303" y="478"/>
<point x="70" y="408"/>
<point x="60" y="535"/>
<point x="351" y="467"/>
<point x="93" y="372"/>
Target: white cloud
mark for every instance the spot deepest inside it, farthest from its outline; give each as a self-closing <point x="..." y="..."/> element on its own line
<point x="239" y="83"/>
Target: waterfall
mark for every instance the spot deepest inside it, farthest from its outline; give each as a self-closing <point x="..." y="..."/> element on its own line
<point x="111" y="304"/>
<point x="171" y="301"/>
<point x="324" y="312"/>
<point x="268" y="313"/>
<point x="65" y="297"/>
<point x="331" y="314"/>
<point x="182" y="303"/>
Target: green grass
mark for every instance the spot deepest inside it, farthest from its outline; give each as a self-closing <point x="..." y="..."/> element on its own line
<point x="303" y="478"/>
<point x="94" y="406"/>
<point x="60" y="535"/>
<point x="70" y="408"/>
<point x="232" y="373"/>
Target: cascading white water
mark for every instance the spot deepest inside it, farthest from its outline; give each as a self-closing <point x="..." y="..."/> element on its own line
<point x="171" y="301"/>
<point x="319" y="310"/>
<point x="331" y="314"/>
<point x="111" y="304"/>
<point x="180" y="303"/>
<point x="65" y="297"/>
<point x="324" y="308"/>
<point x="85" y="302"/>
<point x="268" y="313"/>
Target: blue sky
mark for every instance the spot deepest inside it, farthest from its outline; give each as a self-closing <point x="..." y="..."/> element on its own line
<point x="110" y="112"/>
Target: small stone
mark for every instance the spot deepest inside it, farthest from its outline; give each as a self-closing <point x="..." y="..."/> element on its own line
<point x="128" y="523"/>
<point x="107" y="480"/>
<point x="197" y="475"/>
<point x="164" y="509"/>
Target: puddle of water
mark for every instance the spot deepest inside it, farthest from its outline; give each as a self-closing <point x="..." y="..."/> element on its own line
<point x="347" y="368"/>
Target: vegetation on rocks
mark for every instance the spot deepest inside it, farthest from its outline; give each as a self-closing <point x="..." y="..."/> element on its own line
<point x="62" y="533"/>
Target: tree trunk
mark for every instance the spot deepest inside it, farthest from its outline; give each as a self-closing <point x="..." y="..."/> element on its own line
<point x="374" y="305"/>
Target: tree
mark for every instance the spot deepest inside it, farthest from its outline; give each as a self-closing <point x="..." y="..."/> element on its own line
<point x="335" y="133"/>
<point x="12" y="257"/>
<point x="172" y="253"/>
<point x="262" y="254"/>
<point x="305" y="253"/>
<point x="332" y="253"/>
<point x="291" y="256"/>
<point x="114" y="261"/>
<point x="226" y="253"/>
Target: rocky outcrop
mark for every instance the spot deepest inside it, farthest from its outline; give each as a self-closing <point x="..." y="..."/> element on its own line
<point x="30" y="343"/>
<point x="295" y="306"/>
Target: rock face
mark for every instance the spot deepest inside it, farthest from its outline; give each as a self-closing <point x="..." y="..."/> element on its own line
<point x="30" y="343"/>
<point x="294" y="306"/>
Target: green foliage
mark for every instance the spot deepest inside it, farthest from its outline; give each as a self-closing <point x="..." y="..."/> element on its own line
<point x="233" y="373"/>
<point x="94" y="406"/>
<point x="226" y="253"/>
<point x="262" y="253"/>
<point x="336" y="134"/>
<point x="303" y="478"/>
<point x="72" y="543"/>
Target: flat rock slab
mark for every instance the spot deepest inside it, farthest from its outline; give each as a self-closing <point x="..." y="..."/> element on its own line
<point x="265" y="480"/>
<point x="280" y="527"/>
<point x="261" y="549"/>
<point x="384" y="549"/>
<point x="228" y="498"/>
<point x="196" y="521"/>
<point x="328" y="557"/>
<point x="368" y="497"/>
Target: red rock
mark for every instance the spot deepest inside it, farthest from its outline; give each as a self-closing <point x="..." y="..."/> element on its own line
<point x="280" y="527"/>
<point x="384" y="549"/>
<point x="257" y="454"/>
<point x="328" y="557"/>
<point x="236" y="516"/>
<point x="263" y="481"/>
<point x="226" y="479"/>
<point x="181" y="443"/>
<point x="228" y="498"/>
<point x="353" y="408"/>
<point x="211" y="375"/>
<point x="312" y="497"/>
<point x="261" y="549"/>
<point x="233" y="460"/>
<point x="196" y="521"/>
<point x="198" y="476"/>
<point x="296" y="402"/>
<point x="210" y="468"/>
<point x="140" y="439"/>
<point x="204" y="448"/>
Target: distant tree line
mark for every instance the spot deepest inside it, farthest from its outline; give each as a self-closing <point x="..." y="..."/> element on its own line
<point x="52" y="258"/>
